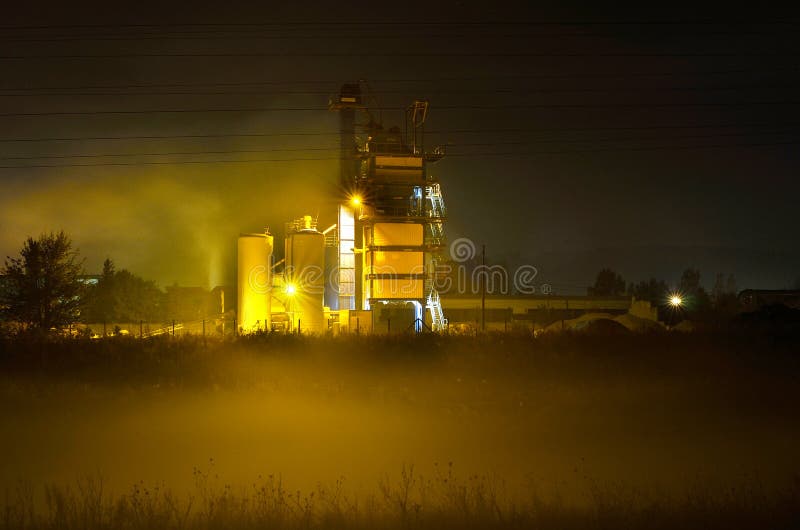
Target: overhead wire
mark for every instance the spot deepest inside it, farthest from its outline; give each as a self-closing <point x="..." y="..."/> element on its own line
<point x="508" y="154"/>
<point x="335" y="83"/>
<point x="427" y="23"/>
<point x="493" y="91"/>
<point x="527" y="130"/>
<point x="363" y="33"/>
<point x="779" y="24"/>
<point x="456" y="145"/>
<point x="438" y="54"/>
<point x="539" y="106"/>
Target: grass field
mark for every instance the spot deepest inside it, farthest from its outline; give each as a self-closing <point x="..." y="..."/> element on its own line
<point x="506" y="431"/>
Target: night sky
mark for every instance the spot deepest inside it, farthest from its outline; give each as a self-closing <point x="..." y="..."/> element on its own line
<point x="647" y="141"/>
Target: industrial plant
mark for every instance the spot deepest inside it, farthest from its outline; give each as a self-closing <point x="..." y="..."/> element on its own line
<point x="375" y="268"/>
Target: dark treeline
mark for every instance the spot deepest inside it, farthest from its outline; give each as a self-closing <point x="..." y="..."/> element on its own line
<point x="698" y="304"/>
<point x="121" y="296"/>
<point x="46" y="288"/>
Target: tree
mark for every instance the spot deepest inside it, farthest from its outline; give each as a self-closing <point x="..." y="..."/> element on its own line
<point x="696" y="299"/>
<point x="723" y="296"/>
<point x="607" y="283"/>
<point x="136" y="299"/>
<point x="99" y="298"/>
<point x="654" y="291"/>
<point x="121" y="296"/>
<point x="720" y="288"/>
<point x="690" y="281"/>
<point x="731" y="286"/>
<point x="42" y="287"/>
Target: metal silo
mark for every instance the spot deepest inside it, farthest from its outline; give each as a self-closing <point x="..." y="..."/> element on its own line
<point x="254" y="281"/>
<point x="305" y="276"/>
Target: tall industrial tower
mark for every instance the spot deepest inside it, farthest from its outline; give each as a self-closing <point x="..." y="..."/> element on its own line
<point x="391" y="224"/>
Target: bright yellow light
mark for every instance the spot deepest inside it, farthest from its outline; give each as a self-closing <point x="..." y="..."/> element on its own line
<point x="355" y="200"/>
<point x="290" y="289"/>
<point x="675" y="300"/>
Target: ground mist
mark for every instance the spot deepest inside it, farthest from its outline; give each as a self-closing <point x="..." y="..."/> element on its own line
<point x="500" y="430"/>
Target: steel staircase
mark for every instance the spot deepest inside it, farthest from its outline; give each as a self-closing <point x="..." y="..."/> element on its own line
<point x="437" y="212"/>
<point x="434" y="305"/>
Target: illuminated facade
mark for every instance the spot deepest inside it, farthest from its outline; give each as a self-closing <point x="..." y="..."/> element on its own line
<point x="396" y="212"/>
<point x="375" y="268"/>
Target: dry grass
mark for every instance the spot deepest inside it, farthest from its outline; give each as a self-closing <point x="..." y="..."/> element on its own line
<point x="407" y="500"/>
<point x="634" y="387"/>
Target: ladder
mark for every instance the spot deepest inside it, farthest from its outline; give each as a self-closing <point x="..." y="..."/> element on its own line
<point x="437" y="212"/>
<point x="434" y="193"/>
<point x="434" y="305"/>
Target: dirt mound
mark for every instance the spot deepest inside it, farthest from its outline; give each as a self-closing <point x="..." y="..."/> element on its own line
<point x="638" y="324"/>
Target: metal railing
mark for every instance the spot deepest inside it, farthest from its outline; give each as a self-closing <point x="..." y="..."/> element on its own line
<point x="434" y="305"/>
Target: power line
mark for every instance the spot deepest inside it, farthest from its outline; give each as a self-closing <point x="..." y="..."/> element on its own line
<point x="353" y="54"/>
<point x="439" y="131"/>
<point x="637" y="148"/>
<point x="167" y="136"/>
<point x="429" y="23"/>
<point x="206" y="35"/>
<point x="509" y="154"/>
<point x="336" y="148"/>
<point x="173" y="153"/>
<point x="337" y="82"/>
<point x="492" y="91"/>
<point x="438" y="108"/>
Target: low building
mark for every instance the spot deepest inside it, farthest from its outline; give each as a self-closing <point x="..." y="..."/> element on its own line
<point x="503" y="312"/>
<point x="755" y="299"/>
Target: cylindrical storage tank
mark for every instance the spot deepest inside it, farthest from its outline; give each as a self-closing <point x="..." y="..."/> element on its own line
<point x="254" y="282"/>
<point x="305" y="272"/>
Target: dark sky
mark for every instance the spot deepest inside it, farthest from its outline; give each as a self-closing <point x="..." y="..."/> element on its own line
<point x="646" y="140"/>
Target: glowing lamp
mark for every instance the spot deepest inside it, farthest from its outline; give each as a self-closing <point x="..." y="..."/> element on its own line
<point x="290" y="289"/>
<point x="676" y="301"/>
<point x="355" y="200"/>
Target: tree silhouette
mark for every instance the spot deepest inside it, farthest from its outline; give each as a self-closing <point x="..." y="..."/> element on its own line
<point x="696" y="299"/>
<point x="121" y="296"/>
<point x="42" y="287"/>
<point x="690" y="281"/>
<point x="607" y="283"/>
<point x="723" y="295"/>
<point x="653" y="290"/>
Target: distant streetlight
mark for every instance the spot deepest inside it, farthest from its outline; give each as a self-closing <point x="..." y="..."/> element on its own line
<point x="290" y="290"/>
<point x="355" y="200"/>
<point x="676" y="301"/>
